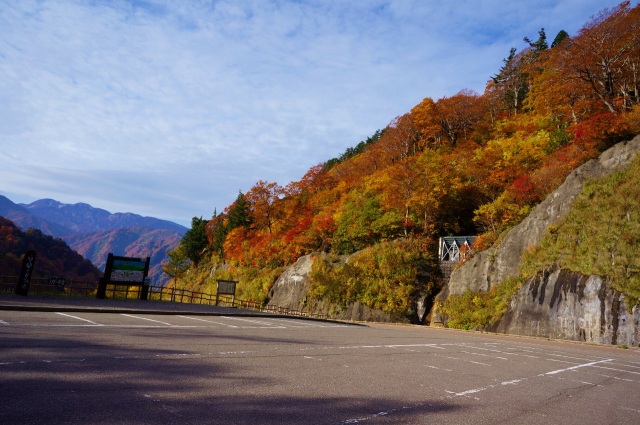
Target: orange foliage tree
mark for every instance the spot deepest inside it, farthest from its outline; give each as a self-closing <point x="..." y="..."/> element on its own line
<point x="460" y="164"/>
<point x="605" y="57"/>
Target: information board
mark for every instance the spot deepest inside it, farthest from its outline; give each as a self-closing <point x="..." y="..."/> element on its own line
<point x="125" y="271"/>
<point x="129" y="270"/>
<point x="226" y="287"/>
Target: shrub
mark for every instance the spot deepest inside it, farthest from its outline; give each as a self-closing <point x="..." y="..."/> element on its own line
<point x="480" y="310"/>
<point x="383" y="276"/>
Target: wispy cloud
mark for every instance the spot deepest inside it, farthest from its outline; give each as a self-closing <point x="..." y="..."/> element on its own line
<point x="168" y="108"/>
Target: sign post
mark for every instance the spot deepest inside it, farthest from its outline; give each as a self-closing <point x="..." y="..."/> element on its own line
<point x="226" y="287"/>
<point x="22" y="287"/>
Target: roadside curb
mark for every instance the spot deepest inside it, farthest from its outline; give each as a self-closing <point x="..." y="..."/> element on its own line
<point x="170" y="309"/>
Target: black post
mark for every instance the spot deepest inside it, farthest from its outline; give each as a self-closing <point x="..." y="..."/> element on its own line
<point x="102" y="285"/>
<point x="22" y="287"/>
<point x="101" y="294"/>
<point x="144" y="293"/>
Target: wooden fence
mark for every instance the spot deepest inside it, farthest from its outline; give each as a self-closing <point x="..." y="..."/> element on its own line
<point x="41" y="286"/>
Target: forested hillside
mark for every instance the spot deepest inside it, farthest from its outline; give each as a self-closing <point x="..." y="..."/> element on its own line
<point x="54" y="257"/>
<point x="466" y="164"/>
<point x="137" y="242"/>
<point x="94" y="232"/>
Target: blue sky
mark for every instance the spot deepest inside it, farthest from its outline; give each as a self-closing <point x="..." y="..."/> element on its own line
<point x="168" y="108"/>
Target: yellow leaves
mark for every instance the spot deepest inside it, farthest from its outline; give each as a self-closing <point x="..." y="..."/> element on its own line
<point x="519" y="151"/>
<point x="424" y="118"/>
<point x="482" y="309"/>
<point x="500" y="214"/>
<point x="382" y="277"/>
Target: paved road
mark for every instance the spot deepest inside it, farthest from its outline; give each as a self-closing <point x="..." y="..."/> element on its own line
<point x="122" y="368"/>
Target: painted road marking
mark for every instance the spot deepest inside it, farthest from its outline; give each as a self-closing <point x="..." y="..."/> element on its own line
<point x="484" y="355"/>
<point x="553" y="372"/>
<point x="80" y="318"/>
<point x="302" y="324"/>
<point x="618" y="370"/>
<point x="146" y="318"/>
<point x="392" y="346"/>
<point x="208" y="321"/>
<point x="438" y="368"/>
<point x="259" y="322"/>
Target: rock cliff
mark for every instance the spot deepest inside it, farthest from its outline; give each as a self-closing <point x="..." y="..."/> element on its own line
<point x="567" y="305"/>
<point x="290" y="291"/>
<point x="488" y="268"/>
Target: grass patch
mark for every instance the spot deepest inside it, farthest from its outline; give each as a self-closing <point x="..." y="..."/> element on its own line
<point x="599" y="236"/>
<point x="384" y="277"/>
<point x="480" y="310"/>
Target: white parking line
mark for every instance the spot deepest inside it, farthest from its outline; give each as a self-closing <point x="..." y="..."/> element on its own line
<point x="259" y="322"/>
<point x="488" y="387"/>
<point x="146" y="318"/>
<point x="299" y="323"/>
<point x="480" y="363"/>
<point x="80" y="318"/>
<point x="309" y="324"/>
<point x="209" y="321"/>
<point x="484" y="355"/>
<point x="553" y="372"/>
<point x="352" y="347"/>
<point x="618" y="370"/>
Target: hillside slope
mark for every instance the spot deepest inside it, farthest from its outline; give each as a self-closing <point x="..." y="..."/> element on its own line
<point x="491" y="267"/>
<point x="54" y="258"/>
<point x="466" y="164"/>
<point x="138" y="242"/>
<point x="556" y="302"/>
<point x="94" y="232"/>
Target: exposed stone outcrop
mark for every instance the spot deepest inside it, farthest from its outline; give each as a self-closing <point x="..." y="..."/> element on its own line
<point x="567" y="305"/>
<point x="488" y="268"/>
<point x="290" y="291"/>
<point x="561" y="304"/>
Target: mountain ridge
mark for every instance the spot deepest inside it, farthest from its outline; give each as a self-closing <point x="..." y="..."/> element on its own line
<point x="84" y="218"/>
<point x="95" y="232"/>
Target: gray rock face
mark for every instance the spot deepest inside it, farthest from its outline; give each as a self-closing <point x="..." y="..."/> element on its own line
<point x="488" y="268"/>
<point x="290" y="291"/>
<point x="560" y="304"/>
<point x="567" y="305"/>
<point x="292" y="286"/>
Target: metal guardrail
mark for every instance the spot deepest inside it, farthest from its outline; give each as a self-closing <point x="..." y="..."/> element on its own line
<point x="41" y="286"/>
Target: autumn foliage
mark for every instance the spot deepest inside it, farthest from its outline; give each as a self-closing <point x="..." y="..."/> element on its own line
<point x="54" y="259"/>
<point x="464" y="164"/>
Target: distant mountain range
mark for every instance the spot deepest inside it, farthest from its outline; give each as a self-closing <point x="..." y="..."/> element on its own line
<point x="94" y="232"/>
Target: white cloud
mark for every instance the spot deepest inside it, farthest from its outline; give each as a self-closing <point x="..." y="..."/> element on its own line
<point x="168" y="108"/>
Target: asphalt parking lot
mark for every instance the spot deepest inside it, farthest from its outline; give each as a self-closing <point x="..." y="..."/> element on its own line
<point x="82" y="367"/>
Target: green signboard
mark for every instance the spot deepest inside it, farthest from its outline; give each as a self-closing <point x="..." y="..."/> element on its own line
<point x="125" y="271"/>
<point x="128" y="270"/>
